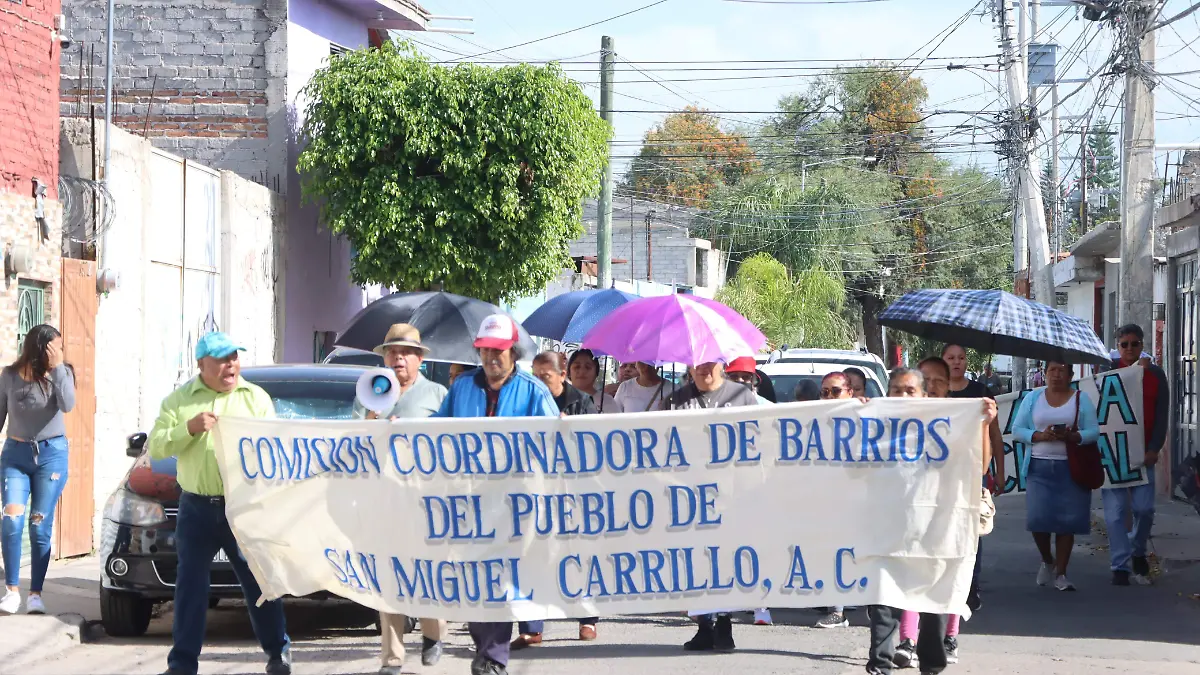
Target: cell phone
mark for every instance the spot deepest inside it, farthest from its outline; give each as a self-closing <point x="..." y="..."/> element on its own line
<point x="1058" y="429"/>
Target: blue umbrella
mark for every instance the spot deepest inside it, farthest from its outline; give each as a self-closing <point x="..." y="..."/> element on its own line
<point x="996" y="322"/>
<point x="570" y="316"/>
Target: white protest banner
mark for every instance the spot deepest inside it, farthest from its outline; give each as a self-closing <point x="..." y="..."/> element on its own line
<point x="799" y="505"/>
<point x="1117" y="395"/>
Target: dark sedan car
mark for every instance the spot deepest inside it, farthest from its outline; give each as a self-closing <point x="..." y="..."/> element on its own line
<point x="137" y="541"/>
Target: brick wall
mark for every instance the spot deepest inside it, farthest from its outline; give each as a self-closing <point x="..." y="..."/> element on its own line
<point x="190" y="74"/>
<point x="28" y="69"/>
<point x="28" y="149"/>
<point x="18" y="228"/>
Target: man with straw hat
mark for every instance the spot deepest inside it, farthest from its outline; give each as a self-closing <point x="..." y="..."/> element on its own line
<point x="403" y="352"/>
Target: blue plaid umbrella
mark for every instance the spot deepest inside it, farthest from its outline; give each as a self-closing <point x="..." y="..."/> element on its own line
<point x="996" y="322"/>
<point x="568" y="317"/>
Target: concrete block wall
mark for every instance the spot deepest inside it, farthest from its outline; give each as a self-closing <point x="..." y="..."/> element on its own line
<point x="127" y="384"/>
<point x="252" y="223"/>
<point x="672" y="253"/>
<point x="192" y="75"/>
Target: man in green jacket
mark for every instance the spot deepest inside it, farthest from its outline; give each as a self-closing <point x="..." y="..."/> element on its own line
<point x="201" y="529"/>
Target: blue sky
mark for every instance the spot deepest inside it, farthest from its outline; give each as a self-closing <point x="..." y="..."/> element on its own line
<point x="707" y="30"/>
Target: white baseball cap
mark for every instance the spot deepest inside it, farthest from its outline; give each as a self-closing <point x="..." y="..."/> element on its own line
<point x="497" y="331"/>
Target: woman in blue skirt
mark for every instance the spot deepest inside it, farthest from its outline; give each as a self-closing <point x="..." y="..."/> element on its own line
<point x="1055" y="503"/>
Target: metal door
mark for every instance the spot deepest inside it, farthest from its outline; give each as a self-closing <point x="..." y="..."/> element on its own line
<point x="1183" y="373"/>
<point x="73" y="525"/>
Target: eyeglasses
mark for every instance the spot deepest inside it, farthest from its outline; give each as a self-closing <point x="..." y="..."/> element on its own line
<point x="1130" y="345"/>
<point x="832" y="392"/>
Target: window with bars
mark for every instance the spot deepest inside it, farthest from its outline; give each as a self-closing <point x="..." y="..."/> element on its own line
<point x="31" y="308"/>
<point x="337" y="50"/>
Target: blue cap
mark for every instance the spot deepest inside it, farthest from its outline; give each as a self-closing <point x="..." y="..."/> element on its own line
<point x="216" y="345"/>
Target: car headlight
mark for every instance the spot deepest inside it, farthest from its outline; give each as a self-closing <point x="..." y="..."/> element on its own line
<point x="132" y="509"/>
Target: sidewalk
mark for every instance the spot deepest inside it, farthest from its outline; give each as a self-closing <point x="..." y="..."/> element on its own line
<point x="72" y="597"/>
<point x="1175" y="538"/>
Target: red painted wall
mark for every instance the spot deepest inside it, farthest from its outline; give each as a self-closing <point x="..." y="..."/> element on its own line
<point x="28" y="96"/>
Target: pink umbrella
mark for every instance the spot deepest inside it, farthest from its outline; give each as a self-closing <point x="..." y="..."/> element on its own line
<point x="677" y="328"/>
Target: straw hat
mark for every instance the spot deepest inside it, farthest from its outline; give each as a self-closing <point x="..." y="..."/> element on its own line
<point x="402" y="335"/>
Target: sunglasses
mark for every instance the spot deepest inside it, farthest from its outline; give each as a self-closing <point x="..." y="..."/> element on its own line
<point x="1130" y="345"/>
<point x="832" y="392"/>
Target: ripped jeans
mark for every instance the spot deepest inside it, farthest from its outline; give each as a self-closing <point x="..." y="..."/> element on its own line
<point x="30" y="481"/>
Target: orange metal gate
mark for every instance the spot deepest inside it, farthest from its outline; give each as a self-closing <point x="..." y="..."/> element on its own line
<point x="73" y="529"/>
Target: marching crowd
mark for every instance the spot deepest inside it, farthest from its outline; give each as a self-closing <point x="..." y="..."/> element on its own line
<point x="37" y="389"/>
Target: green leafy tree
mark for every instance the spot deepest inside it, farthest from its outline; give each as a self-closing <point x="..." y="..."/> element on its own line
<point x="1103" y="171"/>
<point x="469" y="177"/>
<point x="687" y="157"/>
<point x="878" y="204"/>
<point x="802" y="309"/>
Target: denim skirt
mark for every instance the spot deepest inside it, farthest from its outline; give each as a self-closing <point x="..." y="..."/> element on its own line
<point x="1054" y="502"/>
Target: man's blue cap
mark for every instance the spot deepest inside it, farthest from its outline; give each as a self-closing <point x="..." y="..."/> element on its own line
<point x="216" y="345"/>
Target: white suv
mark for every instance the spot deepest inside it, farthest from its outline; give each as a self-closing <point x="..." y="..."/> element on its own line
<point x="786" y="369"/>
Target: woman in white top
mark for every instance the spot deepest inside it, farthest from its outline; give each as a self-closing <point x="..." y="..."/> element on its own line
<point x="645" y="392"/>
<point x="582" y="370"/>
<point x="1055" y="504"/>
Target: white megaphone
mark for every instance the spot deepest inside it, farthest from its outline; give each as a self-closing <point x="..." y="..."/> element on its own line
<point x="378" y="390"/>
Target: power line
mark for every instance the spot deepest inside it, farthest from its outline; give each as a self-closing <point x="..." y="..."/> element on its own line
<point x="573" y="30"/>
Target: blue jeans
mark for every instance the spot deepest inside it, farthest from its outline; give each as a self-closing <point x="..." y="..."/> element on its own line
<point x="34" y="475"/>
<point x="200" y="531"/>
<point x="1122" y="543"/>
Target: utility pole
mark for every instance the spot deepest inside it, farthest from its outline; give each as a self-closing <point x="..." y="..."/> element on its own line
<point x="1054" y="206"/>
<point x="1136" y="292"/>
<point x="604" y="226"/>
<point x="1084" y="168"/>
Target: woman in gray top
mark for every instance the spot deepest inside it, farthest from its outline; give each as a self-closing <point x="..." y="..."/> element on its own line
<point x="35" y="391"/>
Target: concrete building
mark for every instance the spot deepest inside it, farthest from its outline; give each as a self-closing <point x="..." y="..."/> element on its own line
<point x="653" y="241"/>
<point x="30" y="227"/>
<point x="1089" y="278"/>
<point x="219" y="82"/>
<point x="195" y="250"/>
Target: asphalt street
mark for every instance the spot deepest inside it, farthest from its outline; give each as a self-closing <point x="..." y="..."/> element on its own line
<point x="1021" y="628"/>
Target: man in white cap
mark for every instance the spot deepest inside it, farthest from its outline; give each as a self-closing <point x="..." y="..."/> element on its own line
<point x="497" y="389"/>
<point x="403" y="352"/>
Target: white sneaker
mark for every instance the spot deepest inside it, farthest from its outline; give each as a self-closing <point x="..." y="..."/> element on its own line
<point x="762" y="617"/>
<point x="34" y="605"/>
<point x="11" y="602"/>
<point x="1063" y="584"/>
<point x="1045" y="574"/>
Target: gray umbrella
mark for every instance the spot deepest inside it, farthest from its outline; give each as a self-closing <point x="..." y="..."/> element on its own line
<point x="447" y="322"/>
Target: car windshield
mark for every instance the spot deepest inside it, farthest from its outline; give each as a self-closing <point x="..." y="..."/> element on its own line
<point x="311" y="399"/>
<point x="785" y="386"/>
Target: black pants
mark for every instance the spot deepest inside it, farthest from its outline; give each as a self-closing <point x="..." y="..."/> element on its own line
<point x="492" y="639"/>
<point x="885" y="623"/>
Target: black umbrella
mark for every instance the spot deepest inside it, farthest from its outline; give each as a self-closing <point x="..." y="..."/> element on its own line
<point x="447" y="322"/>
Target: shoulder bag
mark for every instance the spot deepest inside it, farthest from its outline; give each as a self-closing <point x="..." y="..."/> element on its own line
<point x="1083" y="459"/>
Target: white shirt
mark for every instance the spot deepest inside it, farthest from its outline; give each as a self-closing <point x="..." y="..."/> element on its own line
<point x="1046" y="416"/>
<point x="633" y="397"/>
<point x="610" y="404"/>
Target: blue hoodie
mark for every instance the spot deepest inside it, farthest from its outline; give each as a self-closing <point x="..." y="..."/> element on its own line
<point x="523" y="395"/>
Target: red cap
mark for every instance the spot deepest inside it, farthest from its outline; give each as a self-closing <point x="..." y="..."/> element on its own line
<point x="497" y="331"/>
<point x="742" y="364"/>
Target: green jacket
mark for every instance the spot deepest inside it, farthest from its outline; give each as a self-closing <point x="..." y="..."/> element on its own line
<point x="197" y="470"/>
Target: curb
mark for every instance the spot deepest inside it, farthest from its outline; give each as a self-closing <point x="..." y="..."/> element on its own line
<point x="37" y="637"/>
